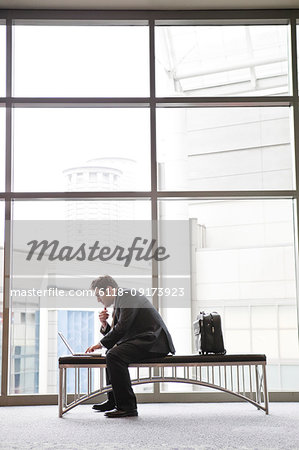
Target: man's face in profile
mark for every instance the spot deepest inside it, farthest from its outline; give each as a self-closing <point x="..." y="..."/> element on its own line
<point x="105" y="296"/>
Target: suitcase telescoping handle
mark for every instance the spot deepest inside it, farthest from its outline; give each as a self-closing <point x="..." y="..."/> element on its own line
<point x="212" y="324"/>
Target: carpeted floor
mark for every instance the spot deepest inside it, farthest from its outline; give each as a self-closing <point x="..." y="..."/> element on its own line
<point x="158" y="426"/>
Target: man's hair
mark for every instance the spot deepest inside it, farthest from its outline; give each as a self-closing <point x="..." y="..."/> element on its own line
<point x="103" y="282"/>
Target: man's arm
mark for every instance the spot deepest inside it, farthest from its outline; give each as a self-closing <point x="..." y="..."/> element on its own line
<point x="105" y="329"/>
<point x="92" y="348"/>
<point x="125" y="320"/>
<point x="103" y="316"/>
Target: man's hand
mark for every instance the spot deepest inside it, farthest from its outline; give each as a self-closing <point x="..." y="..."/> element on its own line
<point x="92" y="348"/>
<point x="103" y="316"/>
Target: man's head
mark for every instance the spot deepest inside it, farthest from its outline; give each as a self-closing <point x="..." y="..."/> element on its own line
<point x="105" y="288"/>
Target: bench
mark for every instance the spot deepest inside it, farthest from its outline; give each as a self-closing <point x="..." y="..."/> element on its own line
<point x="243" y="376"/>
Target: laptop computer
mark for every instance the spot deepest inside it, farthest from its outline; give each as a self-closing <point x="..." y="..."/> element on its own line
<point x="64" y="340"/>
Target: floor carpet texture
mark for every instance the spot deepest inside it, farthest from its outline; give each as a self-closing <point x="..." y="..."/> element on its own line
<point x="158" y="426"/>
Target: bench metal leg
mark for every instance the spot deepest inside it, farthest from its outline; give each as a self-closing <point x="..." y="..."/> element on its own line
<point x="60" y="394"/>
<point x="257" y="386"/>
<point x="266" y="395"/>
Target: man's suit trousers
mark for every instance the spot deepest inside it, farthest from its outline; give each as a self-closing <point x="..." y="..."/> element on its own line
<point x="118" y="359"/>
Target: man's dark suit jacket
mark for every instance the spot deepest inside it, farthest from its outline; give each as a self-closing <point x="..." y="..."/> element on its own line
<point x="137" y="321"/>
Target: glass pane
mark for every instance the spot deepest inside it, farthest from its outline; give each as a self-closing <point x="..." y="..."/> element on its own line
<point x="1" y="277"/>
<point x="2" y="149"/>
<point x="266" y="340"/>
<point x="84" y="149"/>
<point x="81" y="61"/>
<point x="49" y="301"/>
<point x="225" y="148"/>
<point x="290" y="377"/>
<point x="289" y="344"/>
<point x="288" y="317"/>
<point x="222" y="60"/>
<point x="242" y="255"/>
<point x="2" y="60"/>
<point x="264" y="317"/>
<point x="238" y="341"/>
<point x="237" y="318"/>
<point x="273" y="376"/>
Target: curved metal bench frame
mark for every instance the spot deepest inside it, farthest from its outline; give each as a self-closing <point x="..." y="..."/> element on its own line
<point x="245" y="380"/>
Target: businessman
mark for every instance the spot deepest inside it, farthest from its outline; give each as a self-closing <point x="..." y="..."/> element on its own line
<point x="137" y="333"/>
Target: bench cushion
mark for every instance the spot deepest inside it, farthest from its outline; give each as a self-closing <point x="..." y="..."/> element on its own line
<point x="185" y="359"/>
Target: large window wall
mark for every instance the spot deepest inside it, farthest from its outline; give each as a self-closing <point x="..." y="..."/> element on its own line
<point x="158" y="117"/>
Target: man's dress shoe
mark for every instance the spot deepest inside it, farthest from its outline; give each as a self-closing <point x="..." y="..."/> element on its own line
<point x="119" y="413"/>
<point x="105" y="406"/>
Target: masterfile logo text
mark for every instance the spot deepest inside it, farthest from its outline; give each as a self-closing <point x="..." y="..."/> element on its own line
<point x="140" y="249"/>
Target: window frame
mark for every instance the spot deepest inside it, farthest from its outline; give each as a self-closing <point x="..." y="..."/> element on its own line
<point x="152" y="19"/>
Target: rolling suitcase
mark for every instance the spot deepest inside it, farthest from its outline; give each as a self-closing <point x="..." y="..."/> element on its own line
<point x="208" y="334"/>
